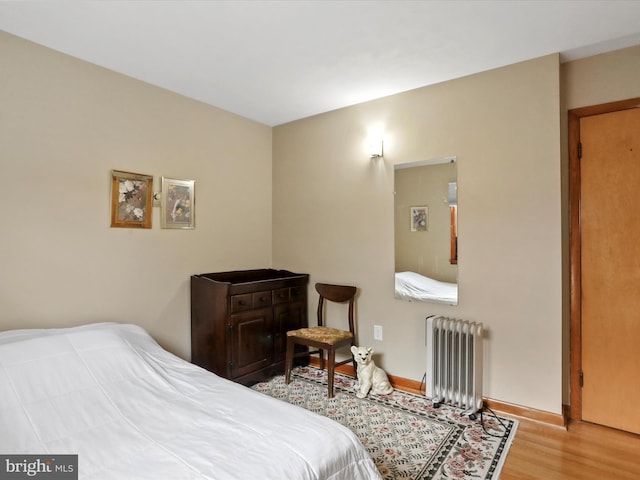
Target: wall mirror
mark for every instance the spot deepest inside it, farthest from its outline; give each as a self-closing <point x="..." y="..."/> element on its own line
<point x="426" y="231"/>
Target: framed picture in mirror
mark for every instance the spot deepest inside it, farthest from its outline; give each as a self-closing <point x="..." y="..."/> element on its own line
<point x="419" y="219"/>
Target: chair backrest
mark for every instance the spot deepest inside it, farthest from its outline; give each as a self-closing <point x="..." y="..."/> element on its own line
<point x="338" y="294"/>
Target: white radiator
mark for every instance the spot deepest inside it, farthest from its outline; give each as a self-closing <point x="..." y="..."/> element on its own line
<point x="454" y="363"/>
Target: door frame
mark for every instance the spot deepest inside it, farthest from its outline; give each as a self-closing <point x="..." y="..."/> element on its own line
<point x="575" y="356"/>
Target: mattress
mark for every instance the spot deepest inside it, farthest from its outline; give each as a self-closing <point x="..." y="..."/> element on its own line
<point x="413" y="286"/>
<point x="131" y="410"/>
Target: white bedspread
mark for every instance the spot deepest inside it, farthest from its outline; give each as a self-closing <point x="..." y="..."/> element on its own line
<point x="131" y="410"/>
<point x="413" y="286"/>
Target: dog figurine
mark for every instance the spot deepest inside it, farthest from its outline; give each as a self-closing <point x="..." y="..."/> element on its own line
<point x="370" y="377"/>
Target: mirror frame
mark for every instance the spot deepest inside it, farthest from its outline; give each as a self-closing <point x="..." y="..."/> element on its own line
<point x="406" y="279"/>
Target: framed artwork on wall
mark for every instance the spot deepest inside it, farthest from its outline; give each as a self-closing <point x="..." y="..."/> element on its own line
<point x="131" y="199"/>
<point x="177" y="203"/>
<point x="419" y="219"/>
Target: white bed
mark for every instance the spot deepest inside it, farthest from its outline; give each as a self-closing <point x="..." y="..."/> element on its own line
<point x="413" y="286"/>
<point x="131" y="410"/>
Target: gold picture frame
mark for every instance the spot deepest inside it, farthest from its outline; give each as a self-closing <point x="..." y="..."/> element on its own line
<point x="177" y="203"/>
<point x="131" y="199"/>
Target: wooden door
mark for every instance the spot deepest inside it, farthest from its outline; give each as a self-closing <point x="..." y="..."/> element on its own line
<point x="610" y="268"/>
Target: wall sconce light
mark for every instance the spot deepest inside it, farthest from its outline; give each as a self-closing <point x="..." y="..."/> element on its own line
<point x="374" y="145"/>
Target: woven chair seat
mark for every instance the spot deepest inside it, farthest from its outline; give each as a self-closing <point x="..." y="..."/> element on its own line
<point x="322" y="334"/>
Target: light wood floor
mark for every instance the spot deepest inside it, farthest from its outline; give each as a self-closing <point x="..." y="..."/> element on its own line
<point x="545" y="452"/>
<point x="584" y="452"/>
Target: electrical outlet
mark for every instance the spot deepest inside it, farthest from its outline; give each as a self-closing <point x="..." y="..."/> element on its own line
<point x="377" y="332"/>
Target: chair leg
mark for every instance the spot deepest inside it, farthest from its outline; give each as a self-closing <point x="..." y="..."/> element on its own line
<point x="321" y="354"/>
<point x="355" y="367"/>
<point x="331" y="359"/>
<point x="289" y="359"/>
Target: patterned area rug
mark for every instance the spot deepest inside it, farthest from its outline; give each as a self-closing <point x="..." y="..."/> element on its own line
<point x="406" y="437"/>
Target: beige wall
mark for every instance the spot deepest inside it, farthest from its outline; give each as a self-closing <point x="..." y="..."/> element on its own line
<point x="601" y="79"/>
<point x="428" y="252"/>
<point x="64" y="124"/>
<point x="333" y="217"/>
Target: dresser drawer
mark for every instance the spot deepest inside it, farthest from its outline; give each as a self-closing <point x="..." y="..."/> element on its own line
<point x="261" y="299"/>
<point x="240" y="303"/>
<point x="281" y="295"/>
<point x="297" y="294"/>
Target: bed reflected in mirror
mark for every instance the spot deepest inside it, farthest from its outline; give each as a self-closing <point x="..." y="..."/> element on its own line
<point x="426" y="231"/>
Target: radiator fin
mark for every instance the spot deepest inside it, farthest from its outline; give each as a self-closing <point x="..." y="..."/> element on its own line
<point x="454" y="362"/>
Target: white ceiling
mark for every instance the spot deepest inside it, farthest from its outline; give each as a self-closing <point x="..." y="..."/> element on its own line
<point x="278" y="61"/>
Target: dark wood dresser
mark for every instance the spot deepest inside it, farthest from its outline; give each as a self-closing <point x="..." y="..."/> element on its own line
<point x="239" y="321"/>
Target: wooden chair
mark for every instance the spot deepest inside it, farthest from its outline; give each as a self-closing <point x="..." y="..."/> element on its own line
<point x="322" y="337"/>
